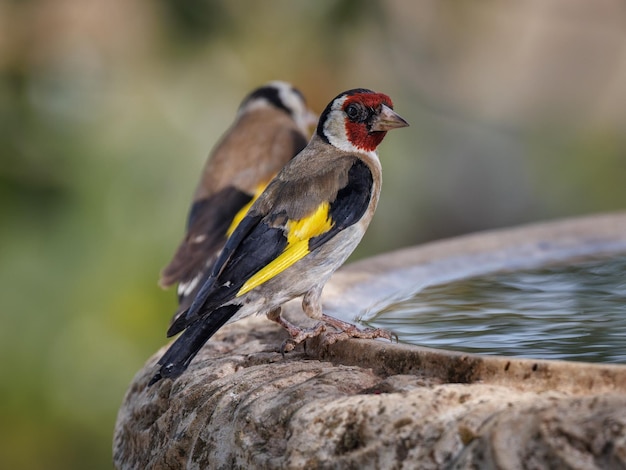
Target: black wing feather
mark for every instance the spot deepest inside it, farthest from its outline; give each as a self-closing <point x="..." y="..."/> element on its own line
<point x="350" y="204"/>
<point x="222" y="206"/>
<point x="210" y="218"/>
<point x="253" y="244"/>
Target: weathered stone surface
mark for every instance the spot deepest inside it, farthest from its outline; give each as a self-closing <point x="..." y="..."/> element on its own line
<point x="371" y="404"/>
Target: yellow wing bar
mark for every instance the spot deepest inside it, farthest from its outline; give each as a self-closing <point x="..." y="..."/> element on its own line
<point x="244" y="210"/>
<point x="298" y="234"/>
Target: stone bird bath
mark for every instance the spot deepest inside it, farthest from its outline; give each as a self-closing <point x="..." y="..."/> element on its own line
<point x="372" y="404"/>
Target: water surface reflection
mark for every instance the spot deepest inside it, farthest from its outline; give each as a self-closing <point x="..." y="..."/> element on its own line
<point x="575" y="312"/>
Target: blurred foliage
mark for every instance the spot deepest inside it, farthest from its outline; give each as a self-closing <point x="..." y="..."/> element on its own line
<point x="196" y="21"/>
<point x="108" y="109"/>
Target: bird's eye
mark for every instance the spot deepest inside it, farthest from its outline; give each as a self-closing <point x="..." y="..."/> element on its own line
<point x="353" y="111"/>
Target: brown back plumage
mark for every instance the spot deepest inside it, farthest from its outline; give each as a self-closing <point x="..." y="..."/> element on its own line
<point x="325" y="175"/>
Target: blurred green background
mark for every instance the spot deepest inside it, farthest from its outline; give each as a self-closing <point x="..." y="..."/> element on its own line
<point x="109" y="108"/>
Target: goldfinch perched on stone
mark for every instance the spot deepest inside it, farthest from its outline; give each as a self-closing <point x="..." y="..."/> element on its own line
<point x="304" y="226"/>
<point x="271" y="128"/>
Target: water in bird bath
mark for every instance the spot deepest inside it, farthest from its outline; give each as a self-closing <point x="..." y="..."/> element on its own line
<point x="573" y="312"/>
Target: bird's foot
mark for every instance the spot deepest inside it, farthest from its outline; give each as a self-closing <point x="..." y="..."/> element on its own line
<point x="298" y="335"/>
<point x="348" y="330"/>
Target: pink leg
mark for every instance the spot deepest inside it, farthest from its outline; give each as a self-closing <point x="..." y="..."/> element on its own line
<point x="312" y="306"/>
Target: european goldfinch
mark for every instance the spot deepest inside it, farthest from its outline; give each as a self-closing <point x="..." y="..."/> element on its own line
<point x="302" y="227"/>
<point x="271" y="127"/>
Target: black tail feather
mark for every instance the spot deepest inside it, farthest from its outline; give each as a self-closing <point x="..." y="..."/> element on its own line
<point x="180" y="354"/>
<point x="179" y="323"/>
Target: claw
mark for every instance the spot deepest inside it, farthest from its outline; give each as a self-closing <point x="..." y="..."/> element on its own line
<point x="288" y="345"/>
<point x="298" y="335"/>
<point x="347" y="330"/>
<point x="369" y="333"/>
<point x="344" y="331"/>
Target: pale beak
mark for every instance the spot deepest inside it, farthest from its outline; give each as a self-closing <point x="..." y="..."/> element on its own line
<point x="387" y="119"/>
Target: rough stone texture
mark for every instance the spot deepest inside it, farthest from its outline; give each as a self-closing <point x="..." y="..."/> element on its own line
<point x="369" y="404"/>
<point x="372" y="404"/>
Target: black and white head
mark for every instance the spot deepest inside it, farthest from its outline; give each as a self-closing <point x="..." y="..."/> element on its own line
<point x="283" y="96"/>
<point x="357" y="120"/>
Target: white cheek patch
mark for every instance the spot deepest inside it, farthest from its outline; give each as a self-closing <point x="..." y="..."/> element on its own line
<point x="336" y="133"/>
